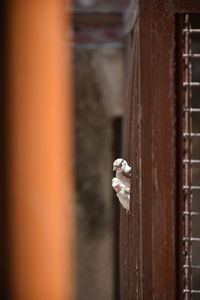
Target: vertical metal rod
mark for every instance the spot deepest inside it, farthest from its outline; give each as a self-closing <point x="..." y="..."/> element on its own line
<point x="188" y="169"/>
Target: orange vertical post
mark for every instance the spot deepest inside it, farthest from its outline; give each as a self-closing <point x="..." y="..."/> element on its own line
<point x="40" y="176"/>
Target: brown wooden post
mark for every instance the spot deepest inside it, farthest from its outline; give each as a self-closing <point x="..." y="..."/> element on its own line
<point x="39" y="135"/>
<point x="149" y="242"/>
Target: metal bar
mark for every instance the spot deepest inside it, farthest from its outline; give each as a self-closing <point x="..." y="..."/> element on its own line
<point x="186" y="30"/>
<point x="192" y="266"/>
<point x="192" y="187"/>
<point x="191" y="84"/>
<point x="195" y="55"/>
<point x="191" y="213"/>
<point x="191" y="161"/>
<point x="186" y="238"/>
<point x="187" y="109"/>
<point x="192" y="134"/>
<point x="191" y="291"/>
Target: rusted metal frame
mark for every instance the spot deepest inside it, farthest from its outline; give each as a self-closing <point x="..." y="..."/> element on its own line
<point x="157" y="48"/>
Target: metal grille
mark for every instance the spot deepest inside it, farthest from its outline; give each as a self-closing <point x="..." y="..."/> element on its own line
<point x="191" y="156"/>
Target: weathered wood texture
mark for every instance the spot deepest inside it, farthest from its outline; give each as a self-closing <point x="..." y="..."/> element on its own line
<point x="129" y="227"/>
<point x="149" y="243"/>
<point x="158" y="151"/>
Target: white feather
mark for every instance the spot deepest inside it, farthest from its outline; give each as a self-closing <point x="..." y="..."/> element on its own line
<point x="122" y="192"/>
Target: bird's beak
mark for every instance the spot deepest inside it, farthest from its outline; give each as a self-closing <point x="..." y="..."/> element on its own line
<point x="114" y="168"/>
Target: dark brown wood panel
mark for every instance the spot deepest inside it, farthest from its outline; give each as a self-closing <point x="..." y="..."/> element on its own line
<point x="149" y="243"/>
<point x="148" y="252"/>
<point x="130" y="250"/>
<point x="186" y="6"/>
<point x="158" y="151"/>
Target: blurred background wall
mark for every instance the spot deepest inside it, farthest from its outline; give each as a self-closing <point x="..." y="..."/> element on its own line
<point x="99" y="67"/>
<point x="95" y="208"/>
<point x="38" y="105"/>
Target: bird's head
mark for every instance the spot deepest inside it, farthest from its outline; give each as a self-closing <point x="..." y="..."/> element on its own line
<point x="118" y="164"/>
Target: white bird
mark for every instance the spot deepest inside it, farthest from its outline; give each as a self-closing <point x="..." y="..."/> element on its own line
<point x="123" y="192"/>
<point x="123" y="171"/>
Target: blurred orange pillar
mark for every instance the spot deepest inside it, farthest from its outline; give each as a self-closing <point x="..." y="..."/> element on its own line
<point x="40" y="177"/>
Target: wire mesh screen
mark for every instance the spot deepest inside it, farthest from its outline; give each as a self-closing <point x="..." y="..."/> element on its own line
<point x="191" y="156"/>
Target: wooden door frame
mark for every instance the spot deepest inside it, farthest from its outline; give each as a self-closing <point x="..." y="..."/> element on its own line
<point x="149" y="234"/>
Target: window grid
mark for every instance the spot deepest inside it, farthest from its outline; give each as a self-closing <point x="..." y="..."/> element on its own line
<point x="189" y="185"/>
